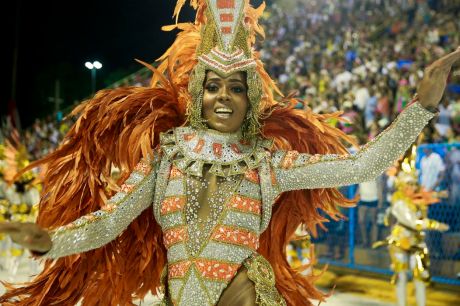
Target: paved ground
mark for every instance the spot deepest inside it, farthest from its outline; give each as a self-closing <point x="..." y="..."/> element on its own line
<point x="26" y="268"/>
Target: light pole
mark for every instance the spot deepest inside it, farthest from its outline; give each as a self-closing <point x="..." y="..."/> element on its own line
<point x="93" y="67"/>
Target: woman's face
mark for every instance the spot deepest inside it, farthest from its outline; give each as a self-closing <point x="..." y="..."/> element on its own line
<point x="225" y="101"/>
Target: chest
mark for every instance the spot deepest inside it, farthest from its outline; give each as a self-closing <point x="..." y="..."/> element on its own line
<point x="197" y="209"/>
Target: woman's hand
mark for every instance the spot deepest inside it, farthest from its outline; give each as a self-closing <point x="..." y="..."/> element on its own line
<point x="28" y="235"/>
<point x="433" y="84"/>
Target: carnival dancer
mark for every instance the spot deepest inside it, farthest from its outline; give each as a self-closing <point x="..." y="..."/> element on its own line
<point x="20" y="197"/>
<point x="406" y="242"/>
<point x="4" y="204"/>
<point x="300" y="251"/>
<point x="216" y="177"/>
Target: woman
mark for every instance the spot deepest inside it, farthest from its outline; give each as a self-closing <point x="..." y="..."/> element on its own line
<point x="226" y="181"/>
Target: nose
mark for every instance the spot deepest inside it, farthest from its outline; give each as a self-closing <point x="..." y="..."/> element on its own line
<point x="223" y="94"/>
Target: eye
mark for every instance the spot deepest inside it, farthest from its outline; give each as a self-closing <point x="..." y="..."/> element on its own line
<point x="212" y="87"/>
<point x="238" y="89"/>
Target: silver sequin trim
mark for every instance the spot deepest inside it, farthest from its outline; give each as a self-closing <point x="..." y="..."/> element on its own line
<point x="225" y="252"/>
<point x="177" y="253"/>
<point x="250" y="190"/>
<point x="172" y="220"/>
<point x="247" y="221"/>
<point x="175" y="188"/>
<point x="193" y="293"/>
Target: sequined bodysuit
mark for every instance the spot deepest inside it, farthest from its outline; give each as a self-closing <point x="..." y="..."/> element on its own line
<point x="212" y="194"/>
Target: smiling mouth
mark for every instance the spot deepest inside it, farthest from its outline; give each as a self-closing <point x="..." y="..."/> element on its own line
<point x="223" y="112"/>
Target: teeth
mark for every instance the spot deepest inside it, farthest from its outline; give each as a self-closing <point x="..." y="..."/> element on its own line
<point x="223" y="110"/>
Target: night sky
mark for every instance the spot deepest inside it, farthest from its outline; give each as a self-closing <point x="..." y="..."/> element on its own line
<point x="56" y="38"/>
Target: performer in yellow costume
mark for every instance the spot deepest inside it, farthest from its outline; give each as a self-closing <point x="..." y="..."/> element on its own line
<point x="216" y="176"/>
<point x="3" y="201"/>
<point x="19" y="198"/>
<point x="406" y="243"/>
<point x="300" y="251"/>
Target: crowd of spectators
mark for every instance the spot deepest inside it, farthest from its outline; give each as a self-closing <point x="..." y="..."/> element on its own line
<point x="43" y="137"/>
<point x="363" y="57"/>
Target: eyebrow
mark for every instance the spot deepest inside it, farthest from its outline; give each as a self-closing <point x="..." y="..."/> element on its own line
<point x="213" y="80"/>
<point x="236" y="80"/>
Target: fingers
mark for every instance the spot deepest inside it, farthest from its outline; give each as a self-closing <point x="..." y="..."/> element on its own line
<point x="28" y="239"/>
<point x="33" y="240"/>
<point x="38" y="242"/>
<point x="441" y="67"/>
<point x="448" y="60"/>
<point x="440" y="72"/>
<point x="8" y="227"/>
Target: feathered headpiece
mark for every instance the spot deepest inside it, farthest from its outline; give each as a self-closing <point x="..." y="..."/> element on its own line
<point x="408" y="173"/>
<point x="407" y="179"/>
<point x="16" y="158"/>
<point x="2" y="159"/>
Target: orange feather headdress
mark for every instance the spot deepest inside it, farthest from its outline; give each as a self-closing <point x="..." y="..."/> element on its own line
<point x="78" y="179"/>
